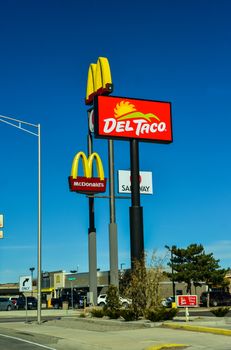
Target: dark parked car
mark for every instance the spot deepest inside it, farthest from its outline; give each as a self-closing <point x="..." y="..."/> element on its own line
<point x="31" y="303"/>
<point x="6" y="304"/>
<point x="14" y="300"/>
<point x="168" y="301"/>
<point x="78" y="301"/>
<point x="215" y="298"/>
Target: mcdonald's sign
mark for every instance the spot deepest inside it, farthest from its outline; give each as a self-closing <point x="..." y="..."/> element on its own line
<point x="87" y="184"/>
<point x="99" y="80"/>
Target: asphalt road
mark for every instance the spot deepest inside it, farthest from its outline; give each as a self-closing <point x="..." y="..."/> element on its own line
<point x="28" y="319"/>
<point x="79" y="334"/>
<point x="13" y="340"/>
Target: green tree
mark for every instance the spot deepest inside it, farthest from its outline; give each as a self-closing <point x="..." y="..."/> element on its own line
<point x="193" y="266"/>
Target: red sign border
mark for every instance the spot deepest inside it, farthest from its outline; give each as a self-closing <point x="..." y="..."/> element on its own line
<point x="186" y="295"/>
<point x="121" y="138"/>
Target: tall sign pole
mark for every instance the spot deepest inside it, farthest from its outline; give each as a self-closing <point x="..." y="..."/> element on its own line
<point x="135" y="211"/>
<point x="100" y="83"/>
<point x="113" y="241"/>
<point x="92" y="256"/>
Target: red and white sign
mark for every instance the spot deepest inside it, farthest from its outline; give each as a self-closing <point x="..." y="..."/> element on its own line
<point x="87" y="185"/>
<point x="128" y="118"/>
<point x="124" y="182"/>
<point x="187" y="301"/>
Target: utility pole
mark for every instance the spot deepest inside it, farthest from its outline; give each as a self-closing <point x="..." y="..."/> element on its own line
<point x="136" y="211"/>
<point x="92" y="257"/>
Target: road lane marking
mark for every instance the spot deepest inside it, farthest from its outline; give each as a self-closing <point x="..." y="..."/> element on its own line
<point x="27" y="341"/>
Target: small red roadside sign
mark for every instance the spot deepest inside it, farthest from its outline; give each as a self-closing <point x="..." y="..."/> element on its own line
<point x="187" y="301"/>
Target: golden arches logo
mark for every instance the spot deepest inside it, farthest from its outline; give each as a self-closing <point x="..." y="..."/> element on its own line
<point x="87" y="165"/>
<point x="99" y="80"/>
<point x="87" y="183"/>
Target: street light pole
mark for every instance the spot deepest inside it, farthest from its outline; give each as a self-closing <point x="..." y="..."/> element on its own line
<point x="121" y="266"/>
<point x="39" y="278"/>
<point x="173" y="281"/>
<point x="18" y="124"/>
<point x="72" y="297"/>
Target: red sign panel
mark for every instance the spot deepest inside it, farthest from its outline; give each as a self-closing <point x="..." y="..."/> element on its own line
<point x="87" y="185"/>
<point x="187" y="300"/>
<point x="127" y="118"/>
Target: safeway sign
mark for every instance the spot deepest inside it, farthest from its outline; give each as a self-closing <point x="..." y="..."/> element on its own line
<point x="124" y="182"/>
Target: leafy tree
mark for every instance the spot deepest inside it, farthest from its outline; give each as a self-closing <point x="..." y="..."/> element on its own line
<point x="192" y="266"/>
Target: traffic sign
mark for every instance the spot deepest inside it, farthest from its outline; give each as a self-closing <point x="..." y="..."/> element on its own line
<point x="25" y="283"/>
<point x="1" y="220"/>
<point x="71" y="278"/>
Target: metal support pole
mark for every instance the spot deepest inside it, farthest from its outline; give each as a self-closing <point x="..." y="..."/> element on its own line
<point x="113" y="241"/>
<point x="136" y="211"/>
<point x="16" y="123"/>
<point x="173" y="281"/>
<point x="39" y="228"/>
<point x="72" y="302"/>
<point x="92" y="240"/>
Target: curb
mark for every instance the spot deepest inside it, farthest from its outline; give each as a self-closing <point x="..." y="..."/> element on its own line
<point x="166" y="346"/>
<point x="202" y="329"/>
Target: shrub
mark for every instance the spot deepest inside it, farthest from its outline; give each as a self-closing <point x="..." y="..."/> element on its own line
<point x="142" y="284"/>
<point x="97" y="313"/>
<point x="128" y="314"/>
<point x="220" y="311"/>
<point x="112" y="300"/>
<point x="112" y="313"/>
<point x="160" y="314"/>
<point x="82" y="315"/>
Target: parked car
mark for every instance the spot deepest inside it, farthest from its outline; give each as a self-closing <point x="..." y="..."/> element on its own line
<point x="79" y="301"/>
<point x="215" y="298"/>
<point x="6" y="304"/>
<point x="31" y="303"/>
<point x="14" y="300"/>
<point x="101" y="301"/>
<point x="167" y="302"/>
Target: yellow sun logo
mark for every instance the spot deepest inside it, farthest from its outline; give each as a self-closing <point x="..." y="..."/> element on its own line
<point x="126" y="110"/>
<point x="123" y="108"/>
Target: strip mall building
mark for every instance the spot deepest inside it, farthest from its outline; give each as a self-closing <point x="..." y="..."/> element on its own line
<point x="53" y="282"/>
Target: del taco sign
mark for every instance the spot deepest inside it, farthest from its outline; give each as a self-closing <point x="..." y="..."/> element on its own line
<point x="129" y="118"/>
<point x="88" y="183"/>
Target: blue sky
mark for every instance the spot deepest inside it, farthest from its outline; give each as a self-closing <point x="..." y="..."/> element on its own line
<point x="176" y="51"/>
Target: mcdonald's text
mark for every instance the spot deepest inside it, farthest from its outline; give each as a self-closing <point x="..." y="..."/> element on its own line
<point x="87" y="185"/>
